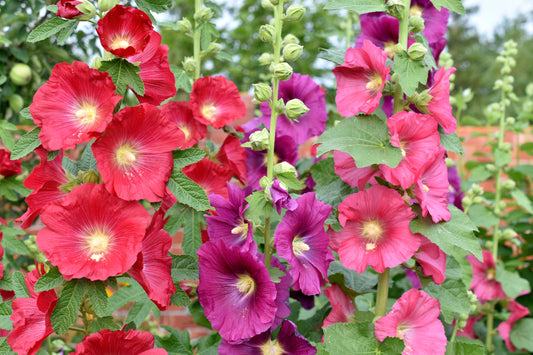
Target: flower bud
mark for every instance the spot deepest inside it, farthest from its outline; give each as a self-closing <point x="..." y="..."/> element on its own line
<point x="398" y="49"/>
<point x="87" y="9"/>
<point x="416" y="24"/>
<point x="478" y="200"/>
<point x="184" y="25"/>
<point x="262" y="92"/>
<point x="213" y="48"/>
<point x="506" y="147"/>
<point x="489" y="244"/>
<point x="274" y="2"/>
<point x="395" y="8"/>
<point x="90" y="177"/>
<point x="509" y="184"/>
<point x="461" y="324"/>
<point x="295" y="108"/>
<point x="417" y="51"/>
<point x="283" y="168"/>
<point x="16" y="102"/>
<point x="509" y="234"/>
<point x="477" y="189"/>
<point x="473" y="307"/>
<point x="266" y="59"/>
<point x="267" y="33"/>
<point x="204" y="14"/>
<point x="467" y="201"/>
<point x="290" y="38"/>
<point x="259" y="140"/>
<point x="510" y="121"/>
<point x="106" y="5"/>
<point x="282" y="71"/>
<point x="97" y="62"/>
<point x="292" y="51"/>
<point x="449" y="162"/>
<point x="20" y="74"/>
<point x="295" y="13"/>
<point x="266" y="4"/>
<point x="265" y="183"/>
<point x="491" y="167"/>
<point x="189" y="65"/>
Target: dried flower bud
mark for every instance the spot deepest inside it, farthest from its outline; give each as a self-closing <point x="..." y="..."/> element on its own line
<point x="295" y="13"/>
<point x="259" y="140"/>
<point x="295" y="108"/>
<point x="292" y="51"/>
<point x="417" y="51"/>
<point x="282" y="71"/>
<point x="267" y="33"/>
<point x="262" y="92"/>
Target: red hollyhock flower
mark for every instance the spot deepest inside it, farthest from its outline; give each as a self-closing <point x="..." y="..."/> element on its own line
<point x="9" y="167"/>
<point x="414" y="319"/>
<point x="90" y="233"/>
<point x="119" y="342"/>
<point x="439" y="105"/>
<point x="504" y="328"/>
<point x="124" y="31"/>
<point x="212" y="177"/>
<point x="2" y="221"/>
<point x="352" y="175"/>
<point x="180" y="113"/>
<point x="360" y="79"/>
<point x="67" y="9"/>
<point x="74" y="105"/>
<point x="152" y="268"/>
<point x="233" y="156"/>
<point x="432" y="260"/>
<point x="484" y="282"/>
<point x="342" y="308"/>
<point x="216" y="101"/>
<point x="372" y="235"/>
<point x="31" y="317"/>
<point x="134" y="159"/>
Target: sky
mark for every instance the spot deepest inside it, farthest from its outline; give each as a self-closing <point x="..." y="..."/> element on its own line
<point x="493" y="12"/>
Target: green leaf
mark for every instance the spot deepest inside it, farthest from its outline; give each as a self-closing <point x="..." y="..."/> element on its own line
<point x="334" y="55"/>
<point x="96" y="291"/>
<point x="452" y="5"/>
<point x="154" y="5"/>
<point x="66" y="311"/>
<point x="67" y="31"/>
<point x="70" y="166"/>
<point x="5" y="314"/>
<point x="465" y="346"/>
<point x="5" y="349"/>
<point x="50" y="280"/>
<point x="458" y="269"/>
<point x="259" y="207"/>
<point x="25" y="113"/>
<point x="52" y="155"/>
<point x="175" y="342"/>
<point x="180" y="297"/>
<point x="482" y="216"/>
<point x="187" y="191"/>
<point x="88" y="161"/>
<point x="521" y="334"/>
<point x="358" y="283"/>
<point x="410" y="72"/>
<point x="140" y="311"/>
<point x="183" y="79"/>
<point x="184" y="267"/>
<point x="126" y="294"/>
<point x="5" y="135"/>
<point x="513" y="285"/>
<point x="209" y="345"/>
<point x="359" y="6"/>
<point x="10" y="187"/>
<point x="123" y="74"/>
<point x="103" y="323"/>
<point x="275" y="274"/>
<point x="365" y="138"/>
<point x="455" y="237"/>
<point x="453" y="298"/>
<point x="26" y="144"/>
<point x="19" y="286"/>
<point x="502" y="158"/>
<point x="522" y="200"/>
<point x="185" y="157"/>
<point x="192" y="235"/>
<point x="48" y="29"/>
<point x="291" y="181"/>
<point x="451" y="142"/>
<point x="10" y="240"/>
<point x="479" y="173"/>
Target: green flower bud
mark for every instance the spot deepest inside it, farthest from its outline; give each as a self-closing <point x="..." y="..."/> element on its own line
<point x="417" y="51"/>
<point x="478" y="200"/>
<point x="189" y="64"/>
<point x="204" y="14"/>
<point x="20" y="74"/>
<point x="463" y="316"/>
<point x="395" y="8"/>
<point x="184" y="25"/>
<point x="267" y="4"/>
<point x="274" y="2"/>
<point x="461" y="324"/>
<point x="509" y="184"/>
<point x="91" y="177"/>
<point x="88" y="10"/>
<point x="213" y="48"/>
<point x="283" y="168"/>
<point x="16" y="102"/>
<point x="509" y="234"/>
<point x="36" y="63"/>
<point x="477" y="189"/>
<point x="467" y="201"/>
<point x="295" y="108"/>
<point x="398" y="49"/>
<point x="267" y="33"/>
<point x="510" y="121"/>
<point x="290" y="38"/>
<point x="489" y="244"/>
<point x="97" y="63"/>
<point x="259" y="140"/>
<point x="266" y="59"/>
<point x="265" y="183"/>
<point x="295" y="13"/>
<point x="106" y="5"/>
<point x="473" y="307"/>
<point x="416" y="24"/>
<point x="491" y="167"/>
<point x="282" y="71"/>
<point x="292" y="51"/>
<point x="506" y="147"/>
<point x="262" y="92"/>
<point x="449" y="162"/>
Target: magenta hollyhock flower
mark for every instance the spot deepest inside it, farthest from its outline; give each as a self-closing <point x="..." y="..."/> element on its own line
<point x="484" y="282"/>
<point x="439" y="105"/>
<point x="119" y="342"/>
<point x="380" y="29"/>
<point x="216" y="101"/>
<point x="417" y="137"/>
<point x="152" y="268"/>
<point x="236" y="291"/>
<point x="180" y="113"/>
<point x="455" y="195"/>
<point x="282" y="292"/>
<point x="67" y="9"/>
<point x="233" y="156"/>
<point x="124" y="31"/>
<point x="435" y="21"/>
<point x="281" y="197"/>
<point x="90" y="233"/>
<point x="300" y="239"/>
<point x="212" y="177"/>
<point x="414" y="319"/>
<point x="504" y="328"/>
<point x="73" y="106"/>
<point x="31" y="317"/>
<point x="432" y="188"/>
<point x="342" y="308"/>
<point x="360" y="79"/>
<point x="9" y="167"/>
<point x="371" y="234"/>
<point x="134" y="159"/>
<point x="312" y="123"/>
<point x="288" y="342"/>
<point x="432" y="260"/>
<point x="229" y="223"/>
<point x="348" y="171"/>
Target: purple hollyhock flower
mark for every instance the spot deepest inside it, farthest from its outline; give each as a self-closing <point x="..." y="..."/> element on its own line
<point x="229" y="223"/>
<point x="281" y="197"/>
<point x="455" y="195"/>
<point x="435" y="21"/>
<point x="282" y="293"/>
<point x="288" y="342"/>
<point x="236" y="291"/>
<point x="300" y="239"/>
<point x="307" y="302"/>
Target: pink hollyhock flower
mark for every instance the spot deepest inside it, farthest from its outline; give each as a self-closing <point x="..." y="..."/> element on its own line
<point x="288" y="341"/>
<point x="2" y="221"/>
<point x="371" y="234"/>
<point x="9" y="167"/>
<point x="31" y="317"/>
<point x="90" y="233"/>
<point x="212" y="177"/>
<point x="432" y="188"/>
<point x="342" y="308"/>
<point x="417" y="137"/>
<point x="439" y="105"/>
<point x="414" y="319"/>
<point x="281" y="197"/>
<point x="180" y="113"/>
<point x="236" y="291"/>
<point x="152" y="268"/>
<point x="504" y="328"/>
<point x="134" y="159"/>
<point x="348" y="171"/>
<point x="73" y="106"/>
<point x="233" y="156"/>
<point x="119" y="342"/>
<point x="360" y="80"/>
<point x="216" y="101"/>
<point x="46" y="180"/>
<point x="484" y="282"/>
<point x="124" y="31"/>
<point x="67" y="9"/>
<point x="432" y="260"/>
<point x="300" y="239"/>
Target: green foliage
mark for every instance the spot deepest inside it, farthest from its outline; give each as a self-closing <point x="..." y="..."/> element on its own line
<point x="5" y="313"/>
<point x="259" y="207"/>
<point x="512" y="284"/>
<point x="48" y="29"/>
<point x="175" y="342"/>
<point x="187" y="191"/>
<point x="521" y="334"/>
<point x="184" y="267"/>
<point x="351" y="281"/>
<point x="452" y="5"/>
<point x="452" y="297"/>
<point x="410" y="72"/>
<point x="65" y="312"/>
<point x="360" y="7"/>
<point x="185" y="157"/>
<point x="52" y="279"/>
<point x="26" y="144"/>
<point x="465" y="346"/>
<point x="124" y="74"/>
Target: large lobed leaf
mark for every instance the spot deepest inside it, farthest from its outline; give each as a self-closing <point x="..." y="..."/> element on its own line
<point x="359" y="6"/>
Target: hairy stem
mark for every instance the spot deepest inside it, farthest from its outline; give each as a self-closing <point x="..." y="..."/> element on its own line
<point x="196" y="42"/>
<point x="383" y="294"/>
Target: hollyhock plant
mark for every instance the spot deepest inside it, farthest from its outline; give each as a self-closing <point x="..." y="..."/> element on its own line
<point x="288" y="342"/>
<point x="124" y="31"/>
<point x="236" y="291"/>
<point x="348" y="171"/>
<point x="281" y="197"/>
<point x="216" y="101"/>
<point x="468" y="330"/>
<point x="439" y="105"/>
<point x="73" y="106"/>
<point x="90" y="233"/>
<point x="134" y="159"/>
<point x="380" y="29"/>
<point x="9" y="167"/>
<point x="432" y="261"/>
<point x="119" y="342"/>
<point x="455" y="195"/>
<point x="360" y="79"/>
<point x="180" y="113"/>
<point x="300" y="239"/>
<point x="212" y="177"/>
<point x="152" y="268"/>
<point x="372" y="235"/>
<point x="233" y="156"/>
<point x="435" y="21"/>
<point x="282" y="292"/>
<point x="484" y="282"/>
<point x="2" y="221"/>
<point x="68" y="9"/>
<point x="342" y="308"/>
<point x="414" y="319"/>
<point x="504" y="328"/>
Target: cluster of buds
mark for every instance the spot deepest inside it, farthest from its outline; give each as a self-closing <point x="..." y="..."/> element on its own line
<point x="473" y="196"/>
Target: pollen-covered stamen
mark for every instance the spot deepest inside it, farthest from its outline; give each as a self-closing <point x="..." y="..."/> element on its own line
<point x="97" y="244"/>
<point x="272" y="347"/>
<point x="425" y="187"/>
<point x="403" y="148"/>
<point x="246" y="284"/>
<point x="86" y="114"/>
<point x="372" y="232"/>
<point x="209" y="111"/>
<point x="374" y="82"/>
<point x="491" y="273"/>
<point x="186" y="131"/>
<point x="120" y="42"/>
<point x="125" y="155"/>
<point x="388" y="47"/>
<point x="415" y="11"/>
<point x="299" y="246"/>
<point x="241" y="229"/>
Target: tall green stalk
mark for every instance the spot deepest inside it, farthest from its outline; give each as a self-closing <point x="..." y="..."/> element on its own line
<point x="196" y="42"/>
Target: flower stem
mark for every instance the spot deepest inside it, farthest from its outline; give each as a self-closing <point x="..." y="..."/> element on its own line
<point x="402" y="41"/>
<point x="455" y="329"/>
<point x="196" y="42"/>
<point x="383" y="294"/>
<point x="490" y="326"/>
